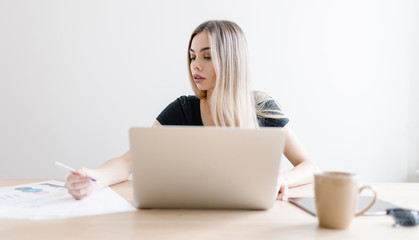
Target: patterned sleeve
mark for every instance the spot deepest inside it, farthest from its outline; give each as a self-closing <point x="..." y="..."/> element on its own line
<point x="271" y="115"/>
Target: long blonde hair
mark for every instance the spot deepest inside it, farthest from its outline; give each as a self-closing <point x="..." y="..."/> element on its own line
<point x="231" y="102"/>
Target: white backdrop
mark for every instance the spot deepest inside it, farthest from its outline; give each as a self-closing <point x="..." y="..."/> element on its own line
<point x="75" y="75"/>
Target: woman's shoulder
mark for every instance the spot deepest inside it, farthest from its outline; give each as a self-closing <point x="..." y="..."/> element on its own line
<point x="269" y="111"/>
<point x="187" y="99"/>
<point x="261" y="96"/>
<point x="265" y="101"/>
<point x="182" y="111"/>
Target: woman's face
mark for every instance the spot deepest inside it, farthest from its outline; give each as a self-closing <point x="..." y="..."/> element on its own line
<point x="201" y="64"/>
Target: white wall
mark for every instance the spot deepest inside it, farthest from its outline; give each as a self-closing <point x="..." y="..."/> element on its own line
<point x="414" y="99"/>
<point x="75" y="75"/>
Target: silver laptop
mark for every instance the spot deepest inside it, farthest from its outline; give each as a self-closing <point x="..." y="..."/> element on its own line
<point x="205" y="167"/>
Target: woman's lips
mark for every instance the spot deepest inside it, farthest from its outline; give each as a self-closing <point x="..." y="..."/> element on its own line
<point x="198" y="78"/>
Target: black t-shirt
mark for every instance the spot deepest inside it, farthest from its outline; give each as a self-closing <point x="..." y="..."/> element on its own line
<point x="186" y="110"/>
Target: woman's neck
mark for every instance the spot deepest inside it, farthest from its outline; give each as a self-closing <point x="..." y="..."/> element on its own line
<point x="208" y="95"/>
<point x="206" y="113"/>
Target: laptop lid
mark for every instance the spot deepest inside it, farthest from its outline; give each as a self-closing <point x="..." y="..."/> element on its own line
<point x="205" y="167"/>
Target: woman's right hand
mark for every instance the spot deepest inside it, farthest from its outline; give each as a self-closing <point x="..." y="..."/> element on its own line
<point x="80" y="184"/>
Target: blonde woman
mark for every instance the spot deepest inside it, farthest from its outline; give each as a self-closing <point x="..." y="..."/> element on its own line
<point x="218" y="71"/>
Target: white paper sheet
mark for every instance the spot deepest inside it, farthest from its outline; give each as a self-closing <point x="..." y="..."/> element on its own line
<point x="48" y="200"/>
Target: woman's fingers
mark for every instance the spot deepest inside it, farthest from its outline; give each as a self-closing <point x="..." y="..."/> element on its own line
<point x="283" y="192"/>
<point x="79" y="184"/>
<point x="83" y="190"/>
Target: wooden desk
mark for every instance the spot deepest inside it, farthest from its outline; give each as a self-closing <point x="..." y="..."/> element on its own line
<point x="283" y="221"/>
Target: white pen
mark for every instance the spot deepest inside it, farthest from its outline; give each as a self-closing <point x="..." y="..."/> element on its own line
<point x="61" y="165"/>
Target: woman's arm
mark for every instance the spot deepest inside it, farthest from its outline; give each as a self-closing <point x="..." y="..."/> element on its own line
<point x="113" y="171"/>
<point x="304" y="167"/>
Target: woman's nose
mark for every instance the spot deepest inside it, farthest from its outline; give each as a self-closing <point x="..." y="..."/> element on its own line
<point x="197" y="65"/>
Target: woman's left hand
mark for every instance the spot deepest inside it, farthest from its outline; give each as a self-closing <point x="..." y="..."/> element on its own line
<point x="283" y="190"/>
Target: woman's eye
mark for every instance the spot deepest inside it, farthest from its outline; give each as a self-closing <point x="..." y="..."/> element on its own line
<point x="192" y="59"/>
<point x="207" y="57"/>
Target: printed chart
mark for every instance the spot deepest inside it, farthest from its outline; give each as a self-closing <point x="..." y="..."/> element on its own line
<point x="50" y="199"/>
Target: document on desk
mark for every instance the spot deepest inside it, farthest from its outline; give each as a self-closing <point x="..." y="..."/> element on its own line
<point x="50" y="199"/>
